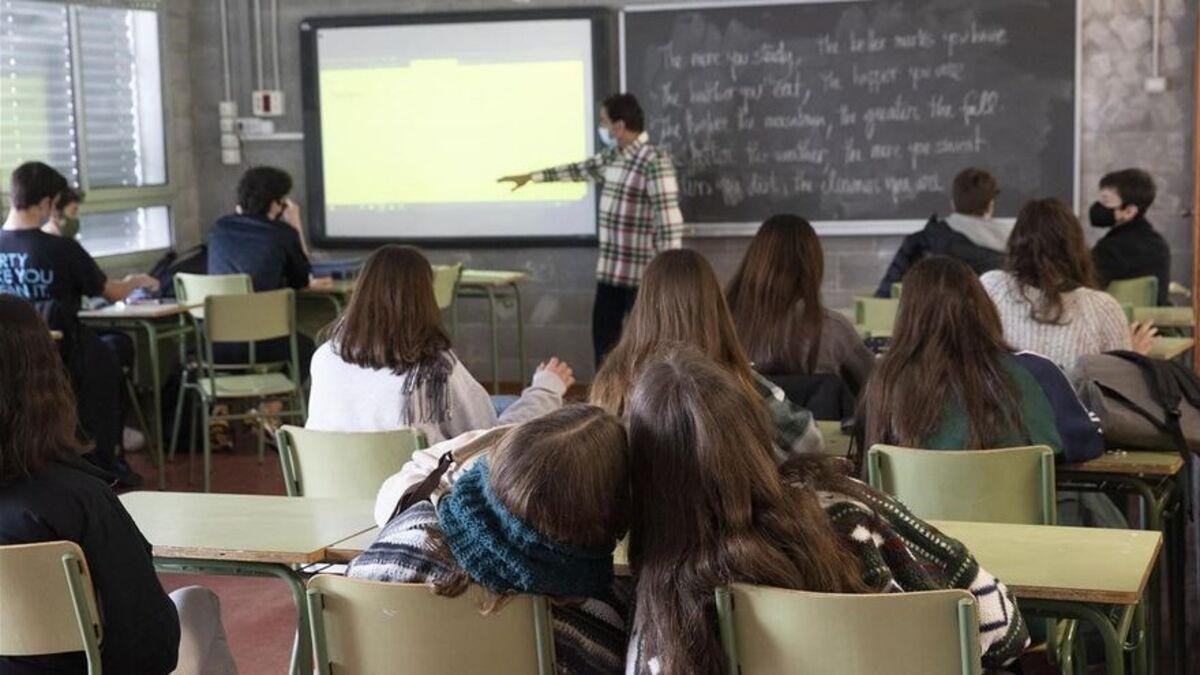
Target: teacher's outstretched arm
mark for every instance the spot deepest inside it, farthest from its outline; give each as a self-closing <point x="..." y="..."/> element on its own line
<point x="591" y="169"/>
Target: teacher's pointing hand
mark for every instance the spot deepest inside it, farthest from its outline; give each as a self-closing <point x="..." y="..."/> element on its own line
<point x="518" y="181"/>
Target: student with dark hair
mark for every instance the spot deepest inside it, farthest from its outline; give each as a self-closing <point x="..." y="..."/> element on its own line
<point x="48" y="493"/>
<point x="638" y="214"/>
<point x="1132" y="247"/>
<point x="775" y="300"/>
<point x="969" y="234"/>
<point x="264" y="238"/>
<point x="710" y="507"/>
<point x="64" y="221"/>
<point x="55" y="273"/>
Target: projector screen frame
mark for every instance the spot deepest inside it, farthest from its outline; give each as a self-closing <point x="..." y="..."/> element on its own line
<point x="604" y="75"/>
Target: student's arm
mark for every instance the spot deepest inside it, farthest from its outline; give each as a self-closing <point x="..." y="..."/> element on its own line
<point x="1107" y="262"/>
<point x="855" y="361"/>
<point x="662" y="189"/>
<point x="1111" y="326"/>
<point x="94" y="282"/>
<point x="796" y="431"/>
<point x="543" y="395"/>
<point x="470" y="406"/>
<point x="115" y="291"/>
<point x="912" y="249"/>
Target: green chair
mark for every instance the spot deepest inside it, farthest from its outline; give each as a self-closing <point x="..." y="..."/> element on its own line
<point x="1137" y="292"/>
<point x="445" y="283"/>
<point x="875" y="316"/>
<point x="896" y="290"/>
<point x="363" y="627"/>
<point x="192" y="289"/>
<point x="245" y="318"/>
<point x="765" y="631"/>
<point x="1012" y="485"/>
<point x="48" y="605"/>
<point x="342" y="465"/>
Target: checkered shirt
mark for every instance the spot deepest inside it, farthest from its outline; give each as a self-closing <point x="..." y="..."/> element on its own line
<point x="639" y="207"/>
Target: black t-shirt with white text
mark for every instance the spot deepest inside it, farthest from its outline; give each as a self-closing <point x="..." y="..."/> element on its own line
<point x="40" y="267"/>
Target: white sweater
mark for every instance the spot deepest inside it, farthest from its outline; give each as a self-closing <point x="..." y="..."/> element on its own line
<point x="347" y="397"/>
<point x="1092" y="321"/>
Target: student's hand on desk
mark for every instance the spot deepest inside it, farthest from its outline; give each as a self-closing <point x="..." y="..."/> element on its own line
<point x="320" y="283"/>
<point x="142" y="281"/>
<point x="1142" y="336"/>
<point x="518" y="181"/>
<point x="559" y="368"/>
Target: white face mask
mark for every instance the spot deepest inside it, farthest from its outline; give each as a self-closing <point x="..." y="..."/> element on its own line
<point x="606" y="137"/>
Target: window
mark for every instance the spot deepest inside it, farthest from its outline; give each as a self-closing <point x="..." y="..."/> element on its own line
<point x="80" y="89"/>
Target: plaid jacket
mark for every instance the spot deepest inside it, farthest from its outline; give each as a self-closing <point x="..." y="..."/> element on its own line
<point x="639" y="207"/>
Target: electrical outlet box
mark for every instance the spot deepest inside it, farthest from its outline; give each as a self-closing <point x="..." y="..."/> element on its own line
<point x="250" y="127"/>
<point x="227" y="108"/>
<point x="231" y="156"/>
<point x="1156" y="85"/>
<point x="267" y="102"/>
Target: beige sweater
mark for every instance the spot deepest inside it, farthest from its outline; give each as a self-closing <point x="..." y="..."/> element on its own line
<point x="1092" y="322"/>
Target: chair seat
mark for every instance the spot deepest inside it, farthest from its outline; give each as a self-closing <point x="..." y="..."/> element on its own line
<point x="241" y="386"/>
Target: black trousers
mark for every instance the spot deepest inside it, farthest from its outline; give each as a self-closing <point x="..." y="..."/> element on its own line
<point x="102" y="391"/>
<point x="608" y="317"/>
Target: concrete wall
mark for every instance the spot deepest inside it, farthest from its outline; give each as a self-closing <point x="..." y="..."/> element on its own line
<point x="1122" y="126"/>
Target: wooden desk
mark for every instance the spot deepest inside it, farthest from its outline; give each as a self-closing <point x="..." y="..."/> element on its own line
<point x="1170" y="347"/>
<point x="837" y="442"/>
<point x="158" y="321"/>
<point x="249" y="535"/>
<point x="1166" y="317"/>
<point x="1131" y="462"/>
<point x="348" y="549"/>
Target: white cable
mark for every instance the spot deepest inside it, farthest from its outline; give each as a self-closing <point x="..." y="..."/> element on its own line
<point x="258" y="47"/>
<point x="1156" y="39"/>
<point x="275" y="39"/>
<point x="225" y="51"/>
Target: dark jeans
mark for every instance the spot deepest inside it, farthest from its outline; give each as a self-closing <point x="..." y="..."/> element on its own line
<point x="608" y="316"/>
<point x="102" y="391"/>
<point x="268" y="350"/>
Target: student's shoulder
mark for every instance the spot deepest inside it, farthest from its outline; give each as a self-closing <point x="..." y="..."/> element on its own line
<point x="996" y="281"/>
<point x="837" y="324"/>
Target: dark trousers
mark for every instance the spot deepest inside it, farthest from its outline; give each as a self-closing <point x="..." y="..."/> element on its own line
<point x="102" y="391"/>
<point x="268" y="350"/>
<point x="608" y="316"/>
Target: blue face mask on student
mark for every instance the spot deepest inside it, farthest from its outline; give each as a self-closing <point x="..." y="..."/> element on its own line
<point x="606" y="137"/>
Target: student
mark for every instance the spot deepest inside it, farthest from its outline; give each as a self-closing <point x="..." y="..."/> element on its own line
<point x="55" y="273"/>
<point x="64" y="221"/>
<point x="949" y="380"/>
<point x="1132" y="247"/>
<point x="47" y="493"/>
<point x="540" y="511"/>
<point x="969" y="234"/>
<point x="388" y="363"/>
<point x="264" y="238"/>
<point x="680" y="301"/>
<point x="710" y="508"/>
<point x="775" y="300"/>
<point x="1046" y="297"/>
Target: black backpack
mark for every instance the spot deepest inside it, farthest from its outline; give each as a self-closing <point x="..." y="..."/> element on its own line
<point x="192" y="261"/>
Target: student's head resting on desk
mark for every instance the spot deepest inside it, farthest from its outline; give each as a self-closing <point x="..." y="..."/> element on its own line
<point x="679" y="301"/>
<point x="37" y="407"/>
<point x="34" y="188"/>
<point x="710" y="507"/>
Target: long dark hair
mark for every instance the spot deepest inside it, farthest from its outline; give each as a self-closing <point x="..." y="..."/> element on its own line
<point x="775" y="296"/>
<point x="393" y="322"/>
<point x="948" y="345"/>
<point x="711" y="508"/>
<point x="679" y="301"/>
<point x="37" y="407"/>
<point x="1047" y="252"/>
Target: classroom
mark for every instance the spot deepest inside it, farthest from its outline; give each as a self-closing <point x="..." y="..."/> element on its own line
<point x="599" y="336"/>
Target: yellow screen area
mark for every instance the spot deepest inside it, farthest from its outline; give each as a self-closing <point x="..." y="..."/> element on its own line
<point x="439" y="131"/>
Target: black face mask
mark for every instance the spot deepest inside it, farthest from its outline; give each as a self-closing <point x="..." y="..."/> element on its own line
<point x="1102" y="216"/>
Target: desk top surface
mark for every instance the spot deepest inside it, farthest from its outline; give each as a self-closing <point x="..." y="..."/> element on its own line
<point x="469" y="278"/>
<point x="1131" y="462"/>
<point x="348" y="549"/>
<point x="136" y="311"/>
<point x="1170" y="347"/>
<point x="1167" y="317"/>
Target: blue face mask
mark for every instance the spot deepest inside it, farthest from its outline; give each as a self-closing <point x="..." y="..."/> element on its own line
<point x="606" y="137"/>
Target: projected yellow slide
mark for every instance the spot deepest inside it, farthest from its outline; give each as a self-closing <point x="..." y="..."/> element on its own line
<point x="440" y="131"/>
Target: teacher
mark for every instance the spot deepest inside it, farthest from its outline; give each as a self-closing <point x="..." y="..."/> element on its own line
<point x="638" y="214"/>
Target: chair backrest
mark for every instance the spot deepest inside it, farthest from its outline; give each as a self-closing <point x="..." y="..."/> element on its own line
<point x="1011" y="485"/>
<point x="772" y="630"/>
<point x="195" y="288"/>
<point x="1139" y="291"/>
<point x="377" y="627"/>
<point x="342" y="465"/>
<point x="876" y="314"/>
<point x="47" y="603"/>
<point x="897" y="289"/>
<point x="445" y="283"/>
<point x="250" y="317"/>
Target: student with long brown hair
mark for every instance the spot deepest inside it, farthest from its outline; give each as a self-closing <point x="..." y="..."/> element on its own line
<point x="388" y="363"/>
<point x="710" y="507"/>
<point x="949" y="380"/>
<point x="1047" y="298"/>
<point x="775" y="300"/>
<point x="538" y="510"/>
<point x="680" y="301"/>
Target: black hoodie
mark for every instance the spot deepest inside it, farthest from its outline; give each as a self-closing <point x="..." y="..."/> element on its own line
<point x="1133" y="250"/>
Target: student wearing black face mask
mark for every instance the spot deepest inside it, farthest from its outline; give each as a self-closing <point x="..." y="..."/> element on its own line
<point x="1132" y="247"/>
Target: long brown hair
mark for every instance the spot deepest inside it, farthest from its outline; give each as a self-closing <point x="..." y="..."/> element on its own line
<point x="564" y="474"/>
<point x="710" y="508"/>
<point x="37" y="407"/>
<point x="393" y="322"/>
<point x="948" y="345"/>
<point x="775" y="296"/>
<point x="1047" y="252"/>
<point x="679" y="301"/>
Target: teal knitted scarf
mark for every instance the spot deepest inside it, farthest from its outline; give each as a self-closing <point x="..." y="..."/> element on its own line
<point x="502" y="553"/>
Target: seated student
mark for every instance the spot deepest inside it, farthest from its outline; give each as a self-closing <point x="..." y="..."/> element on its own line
<point x="47" y="493"/>
<point x="1132" y="247"/>
<point x="680" y="300"/>
<point x="539" y="512"/>
<point x="969" y="234"/>
<point x="264" y="239"/>
<point x="1046" y="297"/>
<point x="775" y="300"/>
<point x="949" y="380"/>
<point x="64" y="220"/>
<point x="388" y="363"/>
<point x="709" y="508"/>
<point x="45" y="269"/>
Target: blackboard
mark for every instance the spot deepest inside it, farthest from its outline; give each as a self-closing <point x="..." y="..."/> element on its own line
<point x="856" y="114"/>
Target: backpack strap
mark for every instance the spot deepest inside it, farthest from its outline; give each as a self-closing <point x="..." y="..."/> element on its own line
<point x="424" y="490"/>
